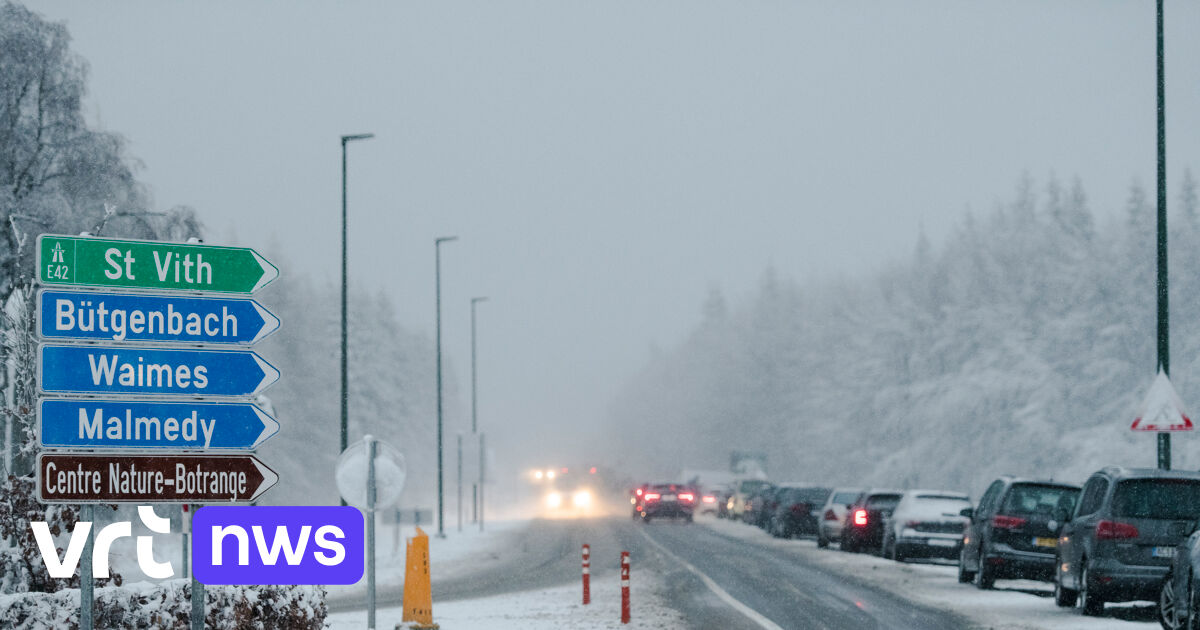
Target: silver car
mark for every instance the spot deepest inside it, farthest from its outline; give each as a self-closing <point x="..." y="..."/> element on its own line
<point x="833" y="515"/>
<point x="926" y="524"/>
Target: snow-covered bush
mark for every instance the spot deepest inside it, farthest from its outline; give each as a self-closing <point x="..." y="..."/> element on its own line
<point x="167" y="605"/>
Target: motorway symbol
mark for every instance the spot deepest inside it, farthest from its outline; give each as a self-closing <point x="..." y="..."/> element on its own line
<point x="135" y="317"/>
<point x="86" y="261"/>
<point x="83" y="423"/>
<point x="65" y="477"/>
<point x="140" y="371"/>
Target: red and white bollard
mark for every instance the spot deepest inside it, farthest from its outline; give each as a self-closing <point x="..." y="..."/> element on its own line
<point x="624" y="587"/>
<point x="587" y="581"/>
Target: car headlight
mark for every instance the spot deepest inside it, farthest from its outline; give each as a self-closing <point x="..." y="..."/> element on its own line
<point x="582" y="498"/>
<point x="553" y="500"/>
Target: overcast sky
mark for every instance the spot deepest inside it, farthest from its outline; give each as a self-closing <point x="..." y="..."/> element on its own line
<point x="605" y="163"/>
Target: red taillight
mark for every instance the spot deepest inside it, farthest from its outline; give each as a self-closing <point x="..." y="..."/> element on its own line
<point x="1008" y="522"/>
<point x="652" y="496"/>
<point x="830" y="515"/>
<point x="687" y="496"/>
<point x="800" y="508"/>
<point x="709" y="499"/>
<point x="1114" y="530"/>
<point x="860" y="517"/>
<point x="639" y="492"/>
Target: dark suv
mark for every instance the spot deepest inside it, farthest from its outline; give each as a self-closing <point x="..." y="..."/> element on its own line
<point x="1014" y="531"/>
<point x="865" y="518"/>
<point x="1119" y="543"/>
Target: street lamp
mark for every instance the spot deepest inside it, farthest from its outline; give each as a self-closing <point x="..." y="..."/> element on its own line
<point x="478" y="491"/>
<point x="345" y="376"/>
<point x="437" y="257"/>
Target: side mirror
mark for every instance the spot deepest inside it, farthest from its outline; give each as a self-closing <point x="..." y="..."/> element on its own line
<point x="967" y="512"/>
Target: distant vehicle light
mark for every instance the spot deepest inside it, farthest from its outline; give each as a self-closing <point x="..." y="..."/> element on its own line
<point x="549" y="474"/>
<point x="582" y="498"/>
<point x="687" y="496"/>
<point x="537" y="474"/>
<point x="652" y="496"/>
<point x="708" y="498"/>
<point x="592" y="470"/>
<point x="830" y="515"/>
<point x="554" y="500"/>
<point x="639" y="492"/>
<point x="860" y="517"/>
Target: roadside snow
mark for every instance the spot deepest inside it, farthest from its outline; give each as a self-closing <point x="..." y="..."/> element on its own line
<point x="544" y="609"/>
<point x="1012" y="605"/>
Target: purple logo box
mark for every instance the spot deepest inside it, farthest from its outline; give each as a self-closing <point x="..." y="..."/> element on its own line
<point x="251" y="544"/>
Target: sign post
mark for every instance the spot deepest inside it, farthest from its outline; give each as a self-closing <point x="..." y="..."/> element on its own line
<point x="158" y="339"/>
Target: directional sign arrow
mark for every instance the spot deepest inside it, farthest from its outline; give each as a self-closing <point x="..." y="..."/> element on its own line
<point x="101" y="262"/>
<point x="65" y="477"/>
<point x="153" y="425"/>
<point x="141" y="317"/>
<point x="140" y="371"/>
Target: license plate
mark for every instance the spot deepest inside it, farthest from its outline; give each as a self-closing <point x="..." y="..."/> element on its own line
<point x="668" y="497"/>
<point x="1045" y="542"/>
<point x="938" y="542"/>
<point x="1163" y="552"/>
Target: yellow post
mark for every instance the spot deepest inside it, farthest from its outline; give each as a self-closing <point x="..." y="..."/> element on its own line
<point x="418" y="596"/>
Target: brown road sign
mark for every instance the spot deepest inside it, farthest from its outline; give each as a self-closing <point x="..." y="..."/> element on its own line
<point x="67" y="477"/>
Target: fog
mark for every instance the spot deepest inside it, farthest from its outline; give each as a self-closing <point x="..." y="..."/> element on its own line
<point x="606" y="165"/>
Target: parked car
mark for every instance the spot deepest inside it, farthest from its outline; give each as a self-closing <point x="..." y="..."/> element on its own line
<point x="926" y="524"/>
<point x="1121" y="540"/>
<point x="833" y="515"/>
<point x="668" y="500"/>
<point x="743" y="490"/>
<point x="709" y="498"/>
<point x="794" y="511"/>
<point x="1179" y="599"/>
<point x="864" y="524"/>
<point x="757" y="506"/>
<point x="1013" y="531"/>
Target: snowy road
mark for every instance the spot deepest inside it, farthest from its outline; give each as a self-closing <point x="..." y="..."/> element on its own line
<point x="717" y="575"/>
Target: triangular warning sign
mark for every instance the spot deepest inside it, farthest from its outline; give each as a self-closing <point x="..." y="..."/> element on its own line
<point x="1162" y="409"/>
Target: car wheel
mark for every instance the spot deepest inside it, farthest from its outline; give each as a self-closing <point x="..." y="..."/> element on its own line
<point x="964" y="576"/>
<point x="688" y="518"/>
<point x="1092" y="605"/>
<point x="1168" y="612"/>
<point x="1063" y="596"/>
<point x="985" y="577"/>
<point x="822" y="542"/>
<point x="897" y="556"/>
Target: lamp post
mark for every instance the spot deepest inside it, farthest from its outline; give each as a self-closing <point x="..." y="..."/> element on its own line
<point x="345" y="375"/>
<point x="478" y="490"/>
<point x="437" y="257"/>
<point x="1164" y="356"/>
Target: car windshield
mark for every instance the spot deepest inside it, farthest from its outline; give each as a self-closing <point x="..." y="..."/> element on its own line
<point x="845" y="498"/>
<point x="883" y="501"/>
<point x="936" y="505"/>
<point x="1035" y="499"/>
<point x="1157" y="498"/>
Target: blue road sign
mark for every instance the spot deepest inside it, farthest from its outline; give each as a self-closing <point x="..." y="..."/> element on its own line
<point x="140" y="371"/>
<point x="114" y="424"/>
<point x="93" y="316"/>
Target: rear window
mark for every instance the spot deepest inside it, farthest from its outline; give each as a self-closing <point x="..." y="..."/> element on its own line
<point x="1157" y="498"/>
<point x="845" y="498"/>
<point x="753" y="485"/>
<point x="934" y="504"/>
<point x="814" y="495"/>
<point x="1029" y="499"/>
<point x="883" y="501"/>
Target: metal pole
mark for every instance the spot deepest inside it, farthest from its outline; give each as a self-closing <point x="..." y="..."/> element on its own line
<point x="460" y="513"/>
<point x="475" y="502"/>
<point x="437" y="257"/>
<point x="482" y="478"/>
<point x="478" y="497"/>
<point x="371" y="444"/>
<point x="345" y="365"/>
<point x="87" y="582"/>
<point x="197" y="595"/>
<point x="1164" y="357"/>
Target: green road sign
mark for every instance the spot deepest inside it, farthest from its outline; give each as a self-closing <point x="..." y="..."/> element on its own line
<point x="101" y="262"/>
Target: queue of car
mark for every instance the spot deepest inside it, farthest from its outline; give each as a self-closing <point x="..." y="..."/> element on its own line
<point x="1126" y="534"/>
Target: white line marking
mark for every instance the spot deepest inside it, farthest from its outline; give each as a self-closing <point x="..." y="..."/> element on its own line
<point x="750" y="613"/>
